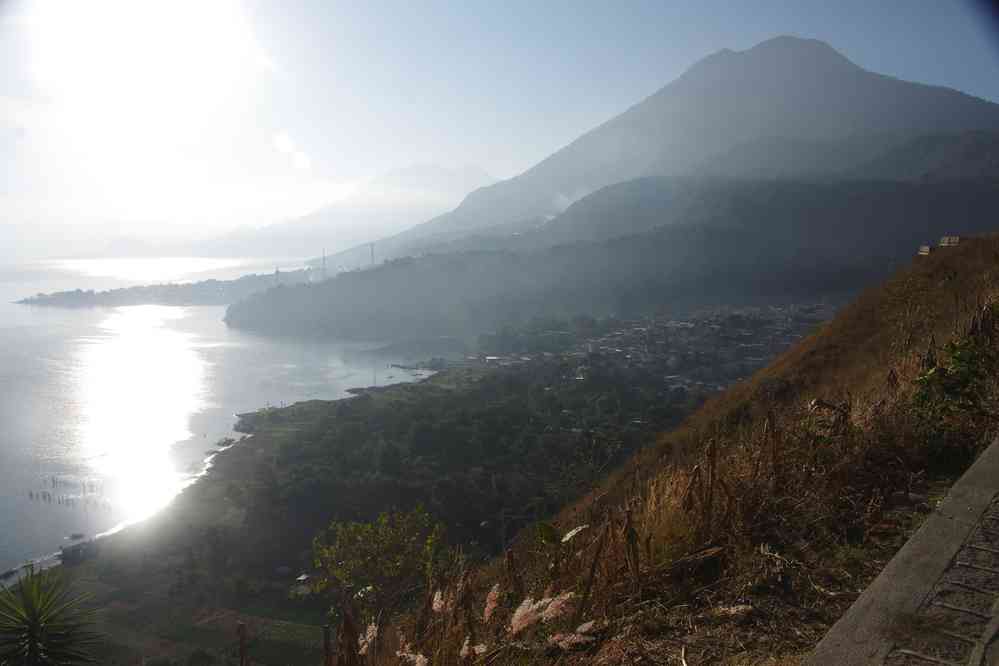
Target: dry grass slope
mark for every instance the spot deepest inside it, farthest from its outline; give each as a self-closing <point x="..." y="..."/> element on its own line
<point x="741" y="536"/>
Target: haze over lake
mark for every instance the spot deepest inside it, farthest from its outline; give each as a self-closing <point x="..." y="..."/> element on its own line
<point x="108" y="413"/>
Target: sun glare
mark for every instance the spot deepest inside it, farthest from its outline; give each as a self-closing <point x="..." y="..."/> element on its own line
<point x="138" y="387"/>
<point x="145" y="103"/>
<point x="162" y="115"/>
<point x="143" y="52"/>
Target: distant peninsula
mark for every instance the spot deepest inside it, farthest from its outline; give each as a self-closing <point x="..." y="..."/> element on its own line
<point x="205" y="292"/>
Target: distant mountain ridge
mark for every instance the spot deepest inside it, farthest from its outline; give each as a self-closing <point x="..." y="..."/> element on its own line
<point x="785" y="108"/>
<point x="695" y="244"/>
<point x="643" y="204"/>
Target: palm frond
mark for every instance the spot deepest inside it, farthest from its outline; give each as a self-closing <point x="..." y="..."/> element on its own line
<point x="43" y="624"/>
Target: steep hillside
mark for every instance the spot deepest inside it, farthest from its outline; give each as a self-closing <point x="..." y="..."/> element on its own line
<point x="741" y="536"/>
<point x="800" y="159"/>
<point x="689" y="246"/>
<point x="939" y="157"/>
<point x="787" y="107"/>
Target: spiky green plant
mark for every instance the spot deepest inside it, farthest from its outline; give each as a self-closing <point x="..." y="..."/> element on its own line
<point x="43" y="624"/>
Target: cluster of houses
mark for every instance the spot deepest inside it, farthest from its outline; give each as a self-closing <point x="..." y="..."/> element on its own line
<point x="704" y="352"/>
<point x="709" y="350"/>
<point x="945" y="241"/>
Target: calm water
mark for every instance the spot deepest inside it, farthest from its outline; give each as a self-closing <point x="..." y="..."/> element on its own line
<point x="106" y="414"/>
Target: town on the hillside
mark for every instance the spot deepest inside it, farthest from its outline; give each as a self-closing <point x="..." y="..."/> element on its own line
<point x="703" y="352"/>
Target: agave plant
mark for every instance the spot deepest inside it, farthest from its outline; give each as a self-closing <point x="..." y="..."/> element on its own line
<point x="42" y="624"/>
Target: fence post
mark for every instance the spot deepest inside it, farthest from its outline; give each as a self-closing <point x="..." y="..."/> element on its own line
<point x="709" y="508"/>
<point x="241" y="632"/>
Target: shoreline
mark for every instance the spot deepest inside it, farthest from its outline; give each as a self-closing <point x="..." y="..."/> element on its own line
<point x="55" y="558"/>
<point x="209" y="466"/>
<point x="133" y="574"/>
<point x="248" y="434"/>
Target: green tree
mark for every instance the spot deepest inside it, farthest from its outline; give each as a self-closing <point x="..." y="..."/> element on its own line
<point x="951" y="401"/>
<point x="381" y="563"/>
<point x="42" y="624"/>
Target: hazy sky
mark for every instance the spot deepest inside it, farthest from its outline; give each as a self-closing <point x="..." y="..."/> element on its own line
<point x="156" y="119"/>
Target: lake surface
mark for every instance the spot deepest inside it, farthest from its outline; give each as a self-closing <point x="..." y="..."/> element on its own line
<point x="106" y="414"/>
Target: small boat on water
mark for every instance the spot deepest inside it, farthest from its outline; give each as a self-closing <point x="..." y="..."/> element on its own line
<point x="76" y="536"/>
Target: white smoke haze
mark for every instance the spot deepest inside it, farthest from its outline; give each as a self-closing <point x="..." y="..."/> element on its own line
<point x="562" y="201"/>
<point x="359" y="212"/>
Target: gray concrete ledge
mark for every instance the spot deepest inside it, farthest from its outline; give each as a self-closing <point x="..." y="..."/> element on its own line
<point x="864" y="634"/>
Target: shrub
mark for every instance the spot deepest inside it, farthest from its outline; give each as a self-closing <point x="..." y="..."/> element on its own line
<point x="382" y="563"/>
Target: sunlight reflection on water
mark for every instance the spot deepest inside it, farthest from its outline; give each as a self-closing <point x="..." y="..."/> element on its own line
<point x="138" y="387"/>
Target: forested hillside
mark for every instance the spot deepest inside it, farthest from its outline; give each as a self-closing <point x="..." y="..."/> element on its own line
<point x="658" y="244"/>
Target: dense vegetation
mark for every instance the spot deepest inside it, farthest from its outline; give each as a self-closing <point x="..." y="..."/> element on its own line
<point x="382" y="564"/>
<point x="484" y="451"/>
